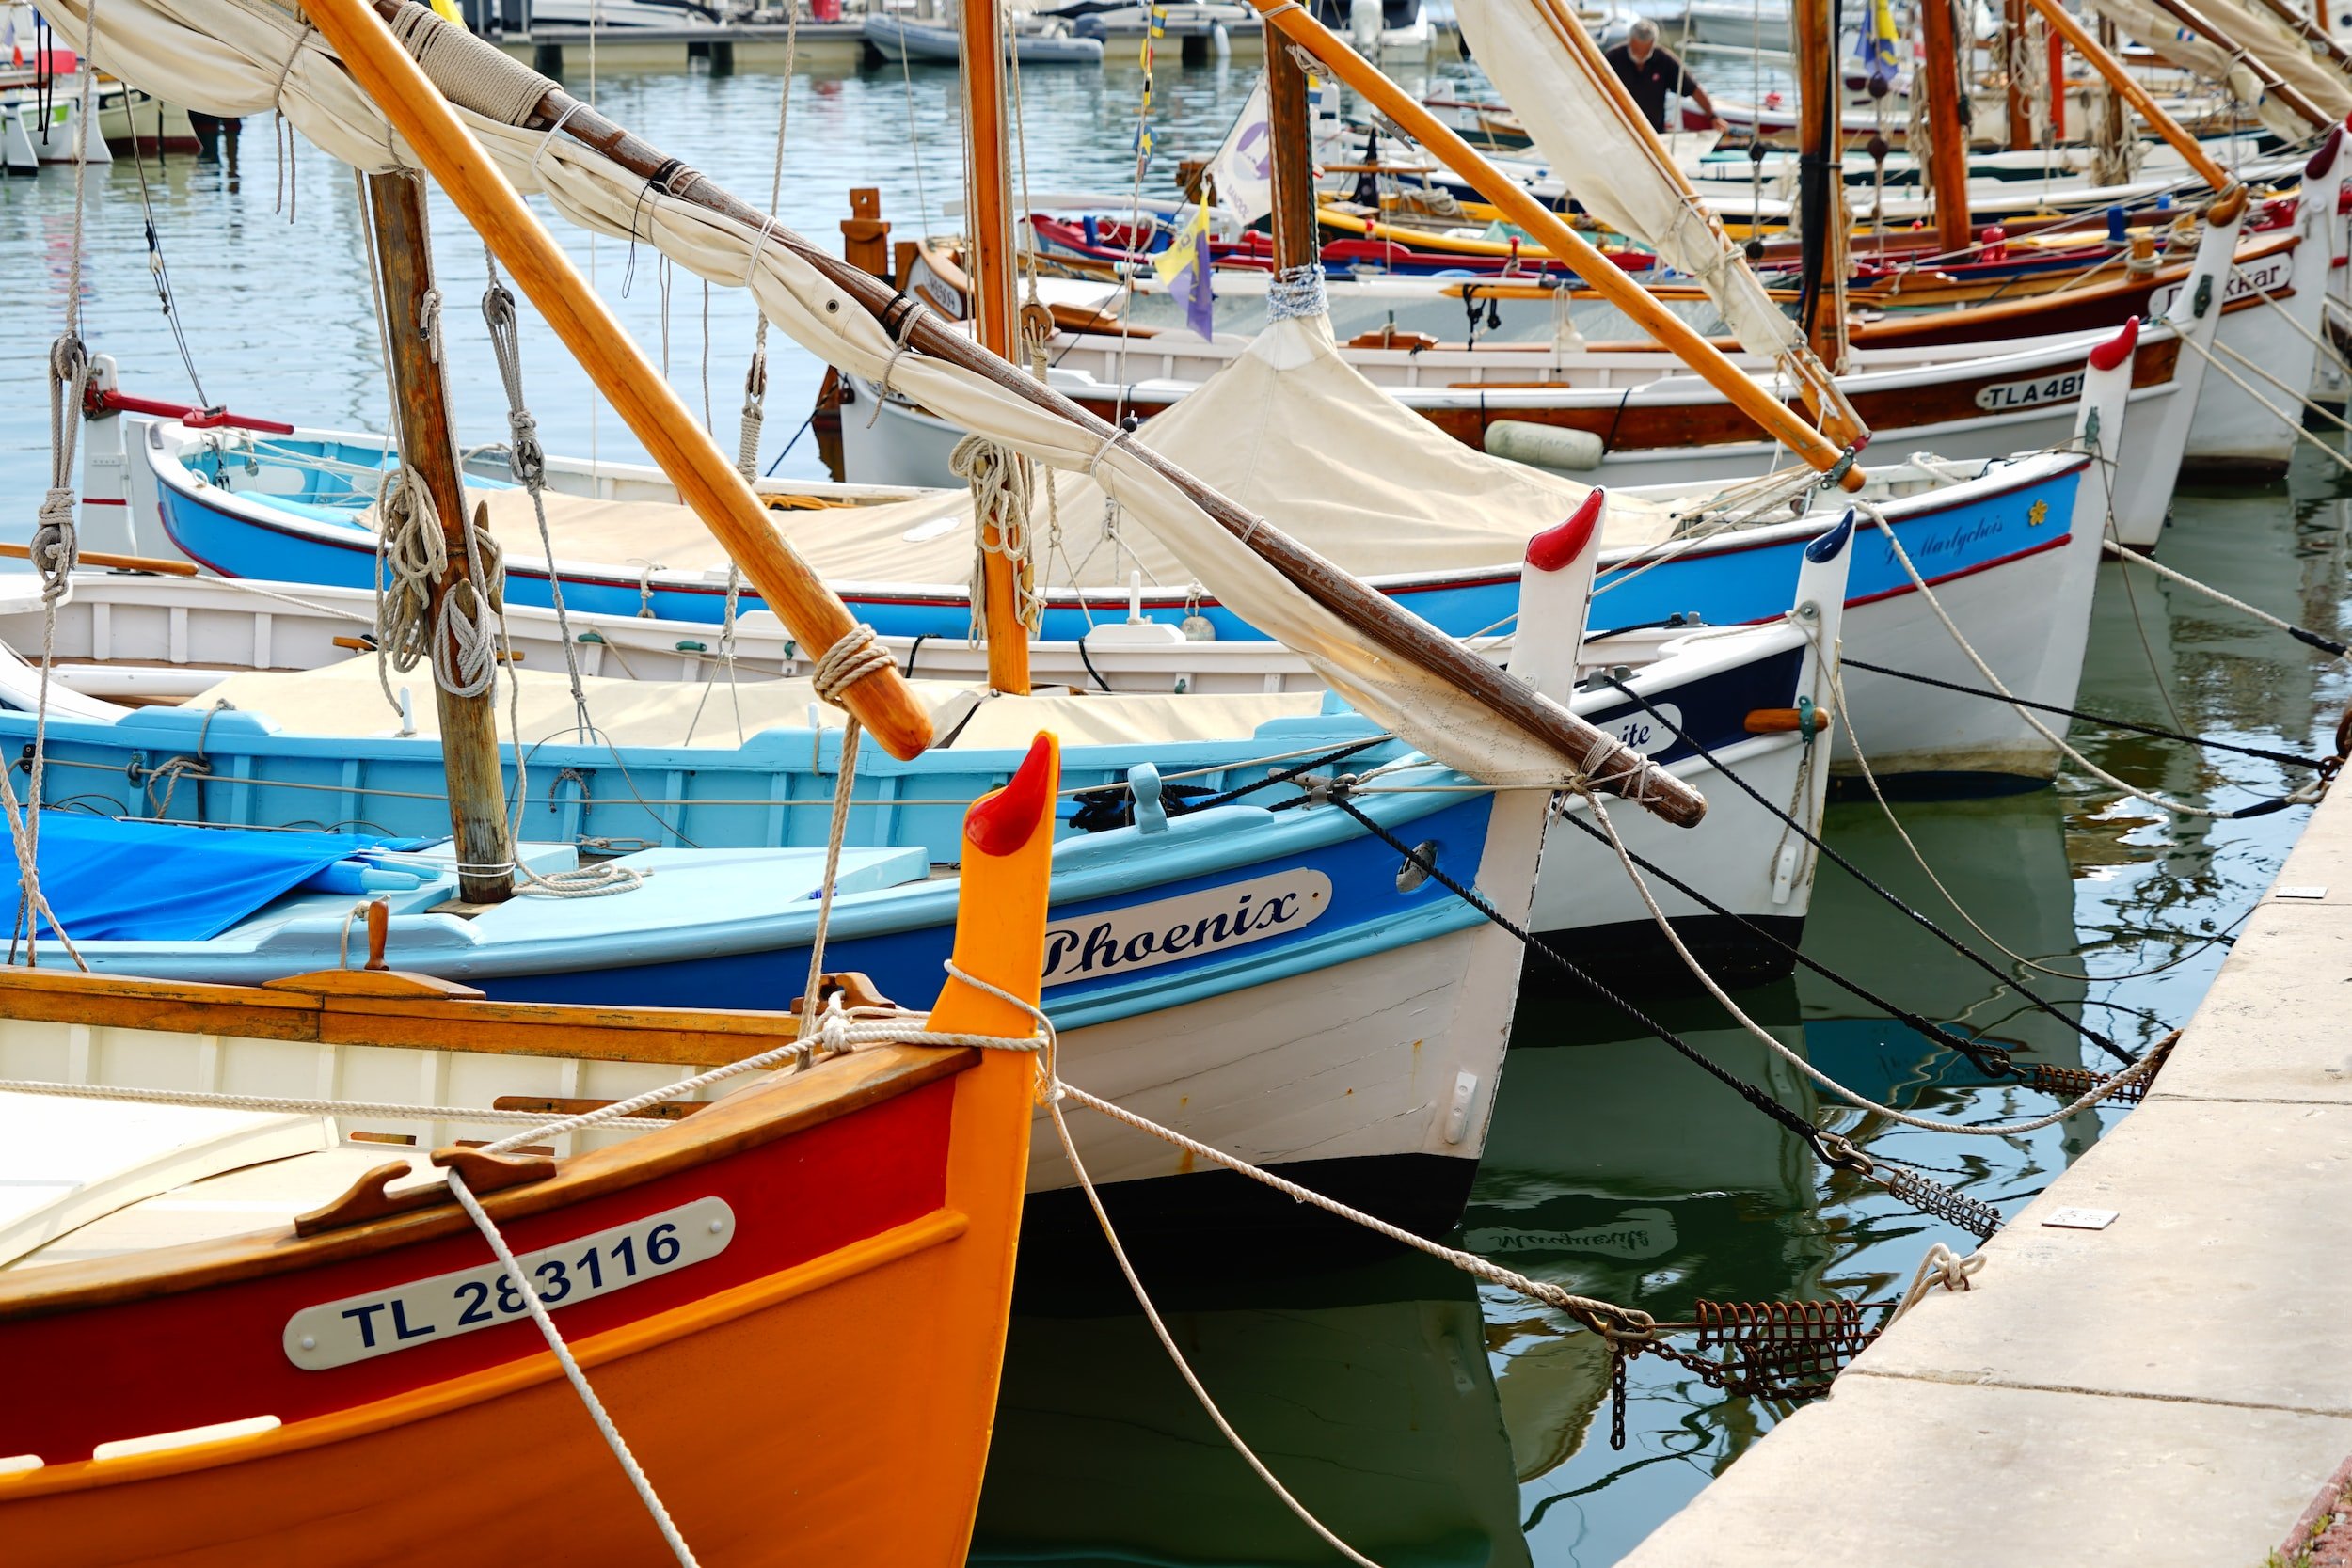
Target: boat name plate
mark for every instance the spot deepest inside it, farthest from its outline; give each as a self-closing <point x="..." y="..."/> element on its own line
<point x="2031" y="392"/>
<point x="1647" y="734"/>
<point x="2269" y="276"/>
<point x="427" y="1312"/>
<point x="1167" y="931"/>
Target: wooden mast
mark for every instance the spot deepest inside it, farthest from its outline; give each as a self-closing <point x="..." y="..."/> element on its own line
<point x="1288" y="127"/>
<point x="705" y="477"/>
<point x="1548" y="229"/>
<point x="1820" y="181"/>
<point x="1947" y="131"/>
<point x="2127" y="87"/>
<point x="989" y="263"/>
<point x="428" y="447"/>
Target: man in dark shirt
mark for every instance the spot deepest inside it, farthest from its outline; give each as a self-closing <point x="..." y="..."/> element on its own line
<point x="1650" y="73"/>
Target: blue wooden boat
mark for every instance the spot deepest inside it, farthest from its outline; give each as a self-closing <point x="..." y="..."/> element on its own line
<point x="318" y="751"/>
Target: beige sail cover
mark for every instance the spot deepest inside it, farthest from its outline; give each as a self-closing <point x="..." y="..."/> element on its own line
<point x="1288" y="429"/>
<point x="241" y="58"/>
<point x="1614" y="170"/>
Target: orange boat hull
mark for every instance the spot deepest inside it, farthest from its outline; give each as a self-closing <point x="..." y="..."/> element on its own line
<point x="879" y="1190"/>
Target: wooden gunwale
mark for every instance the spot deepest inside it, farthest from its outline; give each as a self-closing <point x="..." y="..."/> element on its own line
<point x="776" y="1109"/>
<point x="458" y="1019"/>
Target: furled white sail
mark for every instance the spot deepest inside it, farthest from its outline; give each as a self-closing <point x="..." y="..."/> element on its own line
<point x="2262" y="34"/>
<point x="1566" y="98"/>
<point x="240" y="57"/>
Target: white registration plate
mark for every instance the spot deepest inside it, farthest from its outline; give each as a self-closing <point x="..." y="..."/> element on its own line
<point x="426" y="1311"/>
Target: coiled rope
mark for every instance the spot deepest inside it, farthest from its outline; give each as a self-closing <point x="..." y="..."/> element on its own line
<point x="999" y="477"/>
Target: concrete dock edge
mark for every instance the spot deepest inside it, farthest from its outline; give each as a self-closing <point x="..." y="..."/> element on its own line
<point x="2173" y="1389"/>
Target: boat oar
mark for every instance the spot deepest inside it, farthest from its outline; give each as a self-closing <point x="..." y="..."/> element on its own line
<point x="1579" y="745"/>
<point x="705" y="477"/>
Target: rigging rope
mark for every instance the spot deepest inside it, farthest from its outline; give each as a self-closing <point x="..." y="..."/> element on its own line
<point x="1892" y="899"/>
<point x="578" y="1379"/>
<point x="528" y="460"/>
<point x="2138" y="1070"/>
<point x="1828" y="1147"/>
<point x="2301" y="634"/>
<point x="2105" y="721"/>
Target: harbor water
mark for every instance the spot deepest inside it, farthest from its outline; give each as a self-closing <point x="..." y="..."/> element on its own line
<point x="1425" y="1419"/>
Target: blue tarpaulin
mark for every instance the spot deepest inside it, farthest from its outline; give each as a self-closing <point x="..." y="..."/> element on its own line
<point x="153" y="881"/>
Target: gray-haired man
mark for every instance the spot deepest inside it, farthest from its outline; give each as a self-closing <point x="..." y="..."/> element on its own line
<point x="1650" y="73"/>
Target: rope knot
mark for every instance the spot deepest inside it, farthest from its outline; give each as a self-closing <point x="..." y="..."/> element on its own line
<point x="55" y="546"/>
<point x="857" y="654"/>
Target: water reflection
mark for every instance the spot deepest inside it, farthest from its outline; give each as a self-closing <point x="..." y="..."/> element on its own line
<point x="1366" y="1390"/>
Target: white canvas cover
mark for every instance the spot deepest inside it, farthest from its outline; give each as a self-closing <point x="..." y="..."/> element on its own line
<point x="343" y="700"/>
<point x="244" y="57"/>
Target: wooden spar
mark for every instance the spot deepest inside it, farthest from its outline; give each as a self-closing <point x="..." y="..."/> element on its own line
<point x="2128" y="87"/>
<point x="1551" y="231"/>
<point x="1840" y="424"/>
<point x="483" y="844"/>
<point x="705" y="477"/>
<point x="1947" y="139"/>
<point x="1288" y="130"/>
<point x="2019" y="112"/>
<point x="2275" y="85"/>
<point x="1820" y="149"/>
<point x="988" y="265"/>
<point x="1377" y="616"/>
<point x="2317" y="37"/>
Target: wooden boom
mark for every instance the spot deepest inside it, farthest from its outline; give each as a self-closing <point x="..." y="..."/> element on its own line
<point x="705" y="477"/>
<point x="1551" y="231"/>
<point x="1815" y="379"/>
